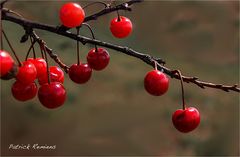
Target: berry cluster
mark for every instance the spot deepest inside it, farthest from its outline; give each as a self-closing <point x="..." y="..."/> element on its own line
<point x="52" y="93"/>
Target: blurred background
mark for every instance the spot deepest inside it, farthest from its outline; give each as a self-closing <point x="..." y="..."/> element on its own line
<point x="112" y="114"/>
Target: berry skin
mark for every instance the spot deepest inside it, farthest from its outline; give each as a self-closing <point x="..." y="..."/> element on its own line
<point x="156" y="83"/>
<point x="40" y="65"/>
<point x="186" y="120"/>
<point x="80" y="73"/>
<point x="121" y="28"/>
<point x="12" y="73"/>
<point x="56" y="75"/>
<point x="52" y="95"/>
<point x="23" y="92"/>
<point x="71" y="15"/>
<point x="6" y="63"/>
<point x="27" y="73"/>
<point x="98" y="60"/>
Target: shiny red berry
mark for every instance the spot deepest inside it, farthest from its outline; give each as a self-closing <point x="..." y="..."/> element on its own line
<point x="186" y="120"/>
<point x="98" y="60"/>
<point x="156" y="83"/>
<point x="24" y="92"/>
<point x="71" y="15"/>
<point x="40" y="65"/>
<point x="56" y="75"/>
<point x="27" y="73"/>
<point x="52" y="95"/>
<point x="80" y="73"/>
<point x="6" y="63"/>
<point x="121" y="28"/>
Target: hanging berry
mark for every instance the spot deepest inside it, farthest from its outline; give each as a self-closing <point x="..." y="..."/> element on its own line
<point x="56" y="75"/>
<point x="51" y="94"/>
<point x="27" y="73"/>
<point x="24" y="92"/>
<point x="81" y="72"/>
<point x="71" y="15"/>
<point x="6" y="63"/>
<point x="40" y="65"/>
<point x="156" y="82"/>
<point x="121" y="27"/>
<point x="188" y="118"/>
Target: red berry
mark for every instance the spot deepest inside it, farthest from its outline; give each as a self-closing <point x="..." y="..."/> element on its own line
<point x="80" y="73"/>
<point x="40" y="65"/>
<point x="6" y="63"/>
<point x="186" y="120"/>
<point x="71" y="15"/>
<point x="52" y="95"/>
<point x="98" y="60"/>
<point x="156" y="83"/>
<point x="23" y="92"/>
<point x="121" y="28"/>
<point x="56" y="75"/>
<point x="27" y="73"/>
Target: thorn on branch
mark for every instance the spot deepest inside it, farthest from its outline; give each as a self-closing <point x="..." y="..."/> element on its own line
<point x="218" y="85"/>
<point x="24" y="38"/>
<point x="194" y="78"/>
<point x="61" y="28"/>
<point x="126" y="49"/>
<point x="160" y="61"/>
<point x="226" y="90"/>
<point x="235" y="86"/>
<point x="200" y="85"/>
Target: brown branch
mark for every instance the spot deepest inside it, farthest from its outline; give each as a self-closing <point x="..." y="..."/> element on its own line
<point x="30" y="25"/>
<point x="203" y="84"/>
<point x="123" y="6"/>
<point x="50" y="52"/>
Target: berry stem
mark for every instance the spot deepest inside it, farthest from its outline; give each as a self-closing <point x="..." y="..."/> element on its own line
<point x="90" y="28"/>
<point x="181" y="80"/>
<point x="19" y="62"/>
<point x="98" y="2"/>
<point x="78" y="54"/>
<point x="41" y="52"/>
<point x="28" y="52"/>
<point x="1" y="26"/>
<point x="118" y="15"/>
<point x="46" y="59"/>
<point x="118" y="19"/>
<point x="155" y="65"/>
<point x="33" y="50"/>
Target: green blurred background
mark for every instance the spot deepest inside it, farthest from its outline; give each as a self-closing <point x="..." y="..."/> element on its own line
<point x="112" y="114"/>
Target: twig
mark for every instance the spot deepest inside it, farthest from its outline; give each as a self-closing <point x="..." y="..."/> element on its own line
<point x="50" y="52"/>
<point x="123" y="6"/>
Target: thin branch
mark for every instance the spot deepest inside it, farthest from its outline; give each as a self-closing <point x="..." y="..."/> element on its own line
<point x="123" y="6"/>
<point x="29" y="25"/>
<point x="94" y="3"/>
<point x="50" y="52"/>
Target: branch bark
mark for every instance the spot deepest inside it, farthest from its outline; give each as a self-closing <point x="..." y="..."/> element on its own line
<point x="29" y="26"/>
